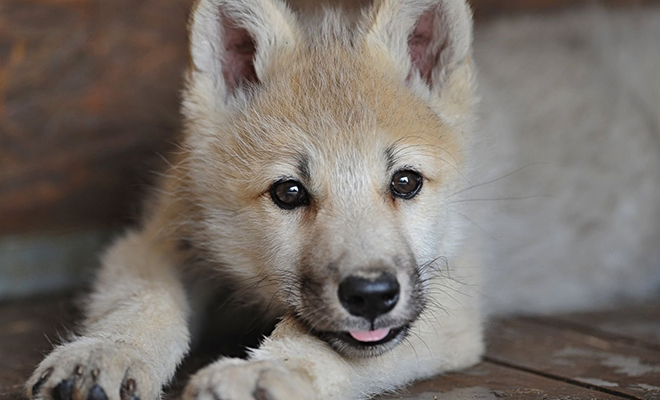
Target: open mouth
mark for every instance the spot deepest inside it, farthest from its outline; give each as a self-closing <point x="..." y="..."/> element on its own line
<point x="369" y="341"/>
<point x="370" y="338"/>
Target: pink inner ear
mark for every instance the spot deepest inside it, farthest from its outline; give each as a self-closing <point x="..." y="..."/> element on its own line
<point x="238" y="61"/>
<point x="424" y="56"/>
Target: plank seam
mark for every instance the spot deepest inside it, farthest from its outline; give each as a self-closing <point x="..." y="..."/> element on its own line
<point x="560" y="378"/>
<point x="574" y="326"/>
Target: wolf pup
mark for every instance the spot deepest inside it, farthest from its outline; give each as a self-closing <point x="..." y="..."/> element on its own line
<point x="319" y="173"/>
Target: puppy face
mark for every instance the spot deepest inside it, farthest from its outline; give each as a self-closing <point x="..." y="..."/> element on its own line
<point x="323" y="182"/>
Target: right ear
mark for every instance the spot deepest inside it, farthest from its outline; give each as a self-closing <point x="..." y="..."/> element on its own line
<point x="231" y="44"/>
<point x="426" y="38"/>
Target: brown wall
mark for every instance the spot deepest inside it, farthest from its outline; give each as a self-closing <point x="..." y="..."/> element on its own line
<point x="88" y="98"/>
<point x="88" y="95"/>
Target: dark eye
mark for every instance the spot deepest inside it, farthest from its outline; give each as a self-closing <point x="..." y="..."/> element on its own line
<point x="289" y="194"/>
<point x="406" y="184"/>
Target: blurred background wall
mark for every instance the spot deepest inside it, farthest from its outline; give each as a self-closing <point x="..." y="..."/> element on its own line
<point x="89" y="108"/>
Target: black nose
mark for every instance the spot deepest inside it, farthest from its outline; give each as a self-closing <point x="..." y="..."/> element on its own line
<point x="369" y="298"/>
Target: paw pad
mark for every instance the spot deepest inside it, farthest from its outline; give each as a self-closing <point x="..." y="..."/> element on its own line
<point x="127" y="391"/>
<point x="262" y="394"/>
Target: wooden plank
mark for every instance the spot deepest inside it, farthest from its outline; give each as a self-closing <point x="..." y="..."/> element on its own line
<point x="28" y="327"/>
<point x="488" y="381"/>
<point x="576" y="357"/>
<point x="26" y="332"/>
<point x="635" y="324"/>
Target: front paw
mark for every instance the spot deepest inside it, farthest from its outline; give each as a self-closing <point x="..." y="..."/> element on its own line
<point x="234" y="379"/>
<point x="93" y="369"/>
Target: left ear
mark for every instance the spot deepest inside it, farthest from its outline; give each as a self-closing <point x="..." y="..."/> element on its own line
<point x="232" y="44"/>
<point x="427" y="39"/>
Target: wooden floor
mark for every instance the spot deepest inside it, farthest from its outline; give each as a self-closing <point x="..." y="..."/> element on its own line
<point x="605" y="355"/>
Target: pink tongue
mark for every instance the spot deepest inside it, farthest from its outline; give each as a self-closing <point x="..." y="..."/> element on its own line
<point x="370" y="336"/>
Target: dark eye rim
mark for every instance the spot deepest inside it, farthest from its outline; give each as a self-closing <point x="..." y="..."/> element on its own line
<point x="415" y="192"/>
<point x="304" y="200"/>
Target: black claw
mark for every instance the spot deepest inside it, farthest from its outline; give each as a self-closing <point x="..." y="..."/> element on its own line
<point x="44" y="377"/>
<point x="127" y="391"/>
<point x="261" y="394"/>
<point x="63" y="390"/>
<point x="97" y="393"/>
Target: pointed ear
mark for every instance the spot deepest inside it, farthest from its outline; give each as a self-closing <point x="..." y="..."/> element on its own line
<point x="426" y="38"/>
<point x="231" y="44"/>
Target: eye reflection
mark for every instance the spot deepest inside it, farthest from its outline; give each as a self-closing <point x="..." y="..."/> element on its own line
<point x="406" y="184"/>
<point x="289" y="194"/>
